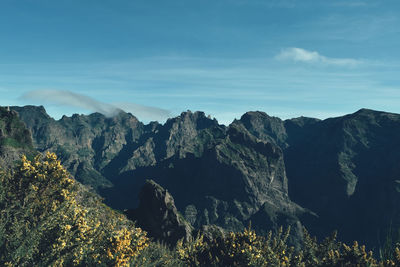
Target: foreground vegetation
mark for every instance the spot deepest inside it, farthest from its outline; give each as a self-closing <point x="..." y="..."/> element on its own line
<point x="49" y="219"/>
<point x="246" y="248"/>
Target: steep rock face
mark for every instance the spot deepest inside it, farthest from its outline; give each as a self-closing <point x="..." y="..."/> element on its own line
<point x="189" y="133"/>
<point x="344" y="169"/>
<point x="264" y="127"/>
<point x="350" y="165"/>
<point x="158" y="215"/>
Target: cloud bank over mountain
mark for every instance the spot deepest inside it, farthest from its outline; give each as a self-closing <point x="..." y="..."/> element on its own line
<point x="67" y="98"/>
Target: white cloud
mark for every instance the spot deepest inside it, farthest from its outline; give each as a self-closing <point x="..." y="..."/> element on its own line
<point x="67" y="98"/>
<point x="149" y="113"/>
<point x="302" y="55"/>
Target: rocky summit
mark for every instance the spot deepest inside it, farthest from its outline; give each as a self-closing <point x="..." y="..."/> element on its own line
<point x="340" y="173"/>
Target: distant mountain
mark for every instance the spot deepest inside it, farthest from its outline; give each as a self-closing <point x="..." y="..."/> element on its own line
<point x="340" y="173"/>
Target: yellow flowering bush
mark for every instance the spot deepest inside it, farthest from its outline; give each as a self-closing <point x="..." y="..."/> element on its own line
<point x="47" y="218"/>
<point x="238" y="249"/>
<point x="248" y="249"/>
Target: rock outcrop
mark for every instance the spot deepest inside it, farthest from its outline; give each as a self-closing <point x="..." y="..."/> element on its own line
<point x="158" y="215"/>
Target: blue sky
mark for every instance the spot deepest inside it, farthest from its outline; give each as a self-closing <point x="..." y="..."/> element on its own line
<point x="224" y="57"/>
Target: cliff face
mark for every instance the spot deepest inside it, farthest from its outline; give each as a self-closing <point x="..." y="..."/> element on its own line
<point x="355" y="176"/>
<point x="340" y="173"/>
<point x="344" y="169"/>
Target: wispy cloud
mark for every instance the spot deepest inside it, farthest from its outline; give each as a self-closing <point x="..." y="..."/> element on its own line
<point x="302" y="55"/>
<point x="146" y="112"/>
<point x="71" y="99"/>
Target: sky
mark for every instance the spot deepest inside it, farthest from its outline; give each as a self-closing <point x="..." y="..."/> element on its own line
<point x="157" y="59"/>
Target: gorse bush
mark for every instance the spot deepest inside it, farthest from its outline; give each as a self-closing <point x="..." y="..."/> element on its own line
<point x="49" y="219"/>
<point x="241" y="249"/>
<point x="237" y="249"/>
<point x="248" y="249"/>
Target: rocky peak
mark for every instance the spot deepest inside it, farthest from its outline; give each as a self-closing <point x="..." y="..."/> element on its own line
<point x="372" y="117"/>
<point x="32" y="115"/>
<point x="157" y="214"/>
<point x="196" y="120"/>
<point x="188" y="133"/>
<point x="264" y="127"/>
<point x="302" y="121"/>
<point x="367" y="111"/>
<point x="36" y="111"/>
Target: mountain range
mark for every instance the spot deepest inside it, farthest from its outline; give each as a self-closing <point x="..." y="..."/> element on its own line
<point x="336" y="174"/>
